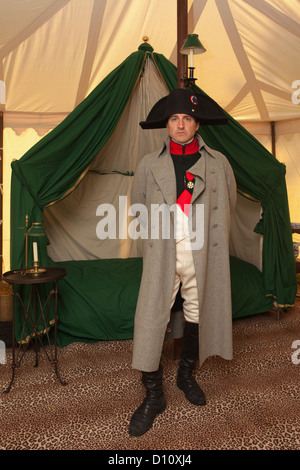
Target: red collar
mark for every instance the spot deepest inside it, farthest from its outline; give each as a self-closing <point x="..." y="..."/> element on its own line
<point x="185" y="149"/>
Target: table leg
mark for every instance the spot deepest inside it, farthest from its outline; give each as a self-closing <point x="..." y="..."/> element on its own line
<point x="36" y="348"/>
<point x="55" y="335"/>
<point x="34" y="297"/>
<point x="13" y="353"/>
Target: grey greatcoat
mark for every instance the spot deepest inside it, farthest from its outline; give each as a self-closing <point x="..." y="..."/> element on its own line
<point x="215" y="188"/>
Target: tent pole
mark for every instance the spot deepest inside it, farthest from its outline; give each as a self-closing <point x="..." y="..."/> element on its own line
<point x="182" y="22"/>
<point x="1" y="191"/>
<point x="273" y="135"/>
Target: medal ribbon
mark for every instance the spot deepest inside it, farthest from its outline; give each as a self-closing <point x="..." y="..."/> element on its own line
<point x="185" y="197"/>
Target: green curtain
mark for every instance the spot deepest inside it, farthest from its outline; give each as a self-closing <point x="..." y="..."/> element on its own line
<point x="58" y="162"/>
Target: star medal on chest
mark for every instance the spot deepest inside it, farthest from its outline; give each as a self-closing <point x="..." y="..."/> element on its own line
<point x="189" y="181"/>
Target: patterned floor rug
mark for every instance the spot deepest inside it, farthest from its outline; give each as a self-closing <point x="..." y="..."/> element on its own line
<point x="252" y="401"/>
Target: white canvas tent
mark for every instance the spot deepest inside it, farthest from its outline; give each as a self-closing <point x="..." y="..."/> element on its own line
<point x="55" y="52"/>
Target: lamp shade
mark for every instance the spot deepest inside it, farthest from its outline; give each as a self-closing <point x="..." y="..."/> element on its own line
<point x="192" y="43"/>
<point x="36" y="230"/>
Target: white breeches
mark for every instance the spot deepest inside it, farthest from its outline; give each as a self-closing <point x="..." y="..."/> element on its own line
<point x="185" y="274"/>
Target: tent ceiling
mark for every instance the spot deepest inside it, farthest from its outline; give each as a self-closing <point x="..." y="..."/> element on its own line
<point x="54" y="52"/>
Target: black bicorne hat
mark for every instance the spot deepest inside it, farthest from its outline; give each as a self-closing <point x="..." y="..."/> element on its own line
<point x="181" y="101"/>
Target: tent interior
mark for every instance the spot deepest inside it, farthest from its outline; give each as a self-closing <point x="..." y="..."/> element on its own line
<point x="46" y="81"/>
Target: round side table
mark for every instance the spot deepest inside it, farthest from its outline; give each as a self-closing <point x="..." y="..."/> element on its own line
<point x="35" y="314"/>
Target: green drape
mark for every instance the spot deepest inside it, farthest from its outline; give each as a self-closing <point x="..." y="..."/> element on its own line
<point x="56" y="165"/>
<point x="58" y="162"/>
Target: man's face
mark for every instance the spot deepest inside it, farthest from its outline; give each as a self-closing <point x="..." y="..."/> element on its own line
<point x="182" y="127"/>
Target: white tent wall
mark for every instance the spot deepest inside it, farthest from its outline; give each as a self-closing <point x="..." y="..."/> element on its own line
<point x="54" y="52"/>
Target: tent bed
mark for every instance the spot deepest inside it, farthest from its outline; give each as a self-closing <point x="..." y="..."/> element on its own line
<point x="97" y="298"/>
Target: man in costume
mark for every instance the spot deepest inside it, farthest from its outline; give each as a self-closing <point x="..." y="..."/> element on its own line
<point x="196" y="186"/>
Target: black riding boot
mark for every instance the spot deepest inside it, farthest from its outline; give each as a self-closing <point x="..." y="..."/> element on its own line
<point x="154" y="403"/>
<point x="188" y="358"/>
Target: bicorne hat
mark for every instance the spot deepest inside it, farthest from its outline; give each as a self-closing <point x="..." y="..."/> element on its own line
<point x="181" y="101"/>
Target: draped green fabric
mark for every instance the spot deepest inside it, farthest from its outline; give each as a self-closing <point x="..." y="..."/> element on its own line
<point x="261" y="176"/>
<point x="58" y="163"/>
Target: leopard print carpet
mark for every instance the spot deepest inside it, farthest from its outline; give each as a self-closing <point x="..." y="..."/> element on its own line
<point x="252" y="401"/>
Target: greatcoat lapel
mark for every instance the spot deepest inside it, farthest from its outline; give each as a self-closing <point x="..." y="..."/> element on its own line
<point x="164" y="175"/>
<point x="199" y="171"/>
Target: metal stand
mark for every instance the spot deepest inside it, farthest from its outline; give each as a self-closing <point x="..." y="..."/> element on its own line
<point x="35" y="314"/>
